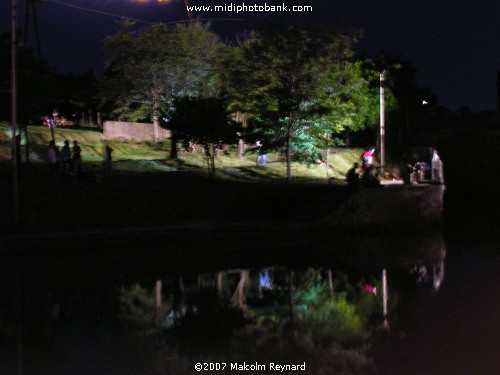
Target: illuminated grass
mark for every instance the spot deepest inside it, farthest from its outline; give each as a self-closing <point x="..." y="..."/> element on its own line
<point x="150" y="156"/>
<point x="148" y="189"/>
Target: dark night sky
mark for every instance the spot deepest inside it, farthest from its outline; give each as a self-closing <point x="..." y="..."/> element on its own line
<point x="454" y="44"/>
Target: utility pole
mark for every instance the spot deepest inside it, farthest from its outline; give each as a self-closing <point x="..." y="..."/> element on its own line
<point x="382" y="115"/>
<point x="31" y="8"/>
<point x="382" y="122"/>
<point x="385" y="298"/>
<point x="188" y="11"/>
<point x="15" y="199"/>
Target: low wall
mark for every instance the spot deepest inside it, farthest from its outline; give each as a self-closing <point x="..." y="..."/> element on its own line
<point x="390" y="206"/>
<point x="133" y="130"/>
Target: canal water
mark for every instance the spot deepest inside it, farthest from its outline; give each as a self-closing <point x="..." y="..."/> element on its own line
<point x="314" y="308"/>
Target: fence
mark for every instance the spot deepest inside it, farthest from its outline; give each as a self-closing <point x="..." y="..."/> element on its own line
<point x="133" y="130"/>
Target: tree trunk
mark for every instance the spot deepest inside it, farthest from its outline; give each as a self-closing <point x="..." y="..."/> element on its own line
<point x="178" y="295"/>
<point x="210" y="158"/>
<point x="219" y="283"/>
<point x="289" y="152"/>
<point x="90" y="118"/>
<point x="200" y="282"/>
<point x="239" y="295"/>
<point x="158" y="299"/>
<point x="155" y="128"/>
<point x="158" y="294"/>
<point x="241" y="148"/>
<point x="291" y="300"/>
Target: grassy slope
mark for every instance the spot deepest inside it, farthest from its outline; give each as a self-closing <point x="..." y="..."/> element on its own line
<point x="139" y="195"/>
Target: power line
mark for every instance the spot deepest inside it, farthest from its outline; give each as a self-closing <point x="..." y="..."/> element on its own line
<point x="100" y="12"/>
<point x="136" y="19"/>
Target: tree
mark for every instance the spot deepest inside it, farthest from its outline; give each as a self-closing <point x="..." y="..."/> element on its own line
<point x="298" y="86"/>
<point x="204" y="121"/>
<point x="83" y="95"/>
<point x="415" y="108"/>
<point x="153" y="66"/>
<point x="38" y="84"/>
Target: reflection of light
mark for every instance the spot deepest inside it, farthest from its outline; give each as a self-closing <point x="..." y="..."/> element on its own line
<point x="437" y="275"/>
<point x="265" y="280"/>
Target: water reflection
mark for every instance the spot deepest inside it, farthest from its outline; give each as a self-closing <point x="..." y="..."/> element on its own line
<point x="299" y="319"/>
<point x="433" y="274"/>
<point x="323" y="310"/>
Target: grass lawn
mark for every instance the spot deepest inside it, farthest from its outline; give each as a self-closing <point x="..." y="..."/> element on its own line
<point x="147" y="189"/>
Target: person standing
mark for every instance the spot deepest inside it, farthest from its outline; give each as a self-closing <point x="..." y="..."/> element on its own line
<point x="261" y="154"/>
<point x="367" y="159"/>
<point x="437" y="168"/>
<point x="77" y="158"/>
<point x="66" y="158"/>
<point x="109" y="160"/>
<point x="352" y="177"/>
<point x="52" y="158"/>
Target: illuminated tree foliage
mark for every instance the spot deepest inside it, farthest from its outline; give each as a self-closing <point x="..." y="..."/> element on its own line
<point x="137" y="308"/>
<point x="299" y="86"/>
<point x="326" y="330"/>
<point x="148" y="68"/>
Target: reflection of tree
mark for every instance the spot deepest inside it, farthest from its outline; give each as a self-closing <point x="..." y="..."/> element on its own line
<point x="328" y="329"/>
<point x="138" y="310"/>
<point x="328" y="332"/>
<point x="239" y="295"/>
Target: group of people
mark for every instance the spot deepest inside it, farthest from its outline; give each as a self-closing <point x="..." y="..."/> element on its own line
<point x="411" y="170"/>
<point x="364" y="175"/>
<point x="70" y="159"/>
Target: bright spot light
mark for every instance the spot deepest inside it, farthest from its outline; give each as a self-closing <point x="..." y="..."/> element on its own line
<point x="424" y="102"/>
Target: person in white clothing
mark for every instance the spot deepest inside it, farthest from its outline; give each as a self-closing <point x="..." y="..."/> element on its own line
<point x="52" y="158"/>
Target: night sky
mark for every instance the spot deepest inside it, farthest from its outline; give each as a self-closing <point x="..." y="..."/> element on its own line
<point x="454" y="44"/>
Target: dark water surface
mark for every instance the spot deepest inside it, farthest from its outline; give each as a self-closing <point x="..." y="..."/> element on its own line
<point x="76" y="315"/>
<point x="455" y="330"/>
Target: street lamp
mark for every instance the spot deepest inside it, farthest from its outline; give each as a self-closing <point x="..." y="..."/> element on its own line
<point x="382" y="115"/>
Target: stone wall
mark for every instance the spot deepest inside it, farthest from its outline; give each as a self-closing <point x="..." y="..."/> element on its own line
<point x="133" y="130"/>
<point x="391" y="206"/>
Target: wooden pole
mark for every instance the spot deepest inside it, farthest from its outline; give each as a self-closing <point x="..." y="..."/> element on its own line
<point x="291" y="299"/>
<point x="15" y="199"/>
<point x="19" y="328"/>
<point x="384" y="297"/>
<point x="158" y="293"/>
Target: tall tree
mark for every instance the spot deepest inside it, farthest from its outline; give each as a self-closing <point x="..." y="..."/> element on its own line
<point x="153" y="66"/>
<point x="204" y="121"/>
<point x="83" y="96"/>
<point x="299" y="85"/>
<point x="415" y="108"/>
<point x="38" y="84"/>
